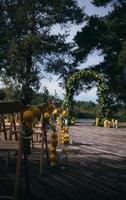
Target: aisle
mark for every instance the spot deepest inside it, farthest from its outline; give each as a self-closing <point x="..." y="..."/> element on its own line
<point x="96" y="168"/>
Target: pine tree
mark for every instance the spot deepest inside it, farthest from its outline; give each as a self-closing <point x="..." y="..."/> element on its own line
<point x="107" y="34"/>
<point x="27" y="40"/>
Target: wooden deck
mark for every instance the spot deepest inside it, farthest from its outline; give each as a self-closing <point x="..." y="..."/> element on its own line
<point x="96" y="168"/>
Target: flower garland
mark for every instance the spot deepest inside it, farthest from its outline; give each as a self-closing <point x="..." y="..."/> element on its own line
<point x="104" y="102"/>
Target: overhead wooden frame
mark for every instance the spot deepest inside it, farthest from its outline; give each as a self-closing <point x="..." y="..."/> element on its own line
<point x="7" y="107"/>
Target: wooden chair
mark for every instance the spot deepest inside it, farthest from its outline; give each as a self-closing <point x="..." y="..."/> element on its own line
<point x="115" y="124"/>
<point x="3" y="133"/>
<point x="40" y="139"/>
<point x="7" y="145"/>
<point x="38" y="142"/>
<point x="37" y="135"/>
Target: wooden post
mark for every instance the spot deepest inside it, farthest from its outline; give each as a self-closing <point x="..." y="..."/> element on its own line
<point x="15" y="129"/>
<point x="41" y="154"/>
<point x="4" y="128"/>
<point x="18" y="169"/>
<point x="47" y="153"/>
<point x="45" y="139"/>
<point x="26" y="173"/>
<point x="25" y="153"/>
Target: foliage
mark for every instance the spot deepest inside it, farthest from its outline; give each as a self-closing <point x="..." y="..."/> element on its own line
<point x="84" y="110"/>
<point x="38" y="98"/>
<point x="105" y="100"/>
<point x="105" y="2"/>
<point x="2" y="94"/>
<point x="44" y="96"/>
<point x="9" y="93"/>
<point x="27" y="41"/>
<point x="107" y="34"/>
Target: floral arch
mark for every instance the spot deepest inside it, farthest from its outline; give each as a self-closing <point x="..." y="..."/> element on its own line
<point x="88" y="76"/>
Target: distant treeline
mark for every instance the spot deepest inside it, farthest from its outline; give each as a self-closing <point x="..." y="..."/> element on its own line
<point x="85" y="110"/>
<point x="81" y="109"/>
<point x="88" y="110"/>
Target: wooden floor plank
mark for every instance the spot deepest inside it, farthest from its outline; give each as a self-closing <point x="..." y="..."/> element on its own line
<point x="95" y="169"/>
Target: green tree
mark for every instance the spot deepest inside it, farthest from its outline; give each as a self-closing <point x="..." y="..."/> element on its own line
<point x="27" y="40"/>
<point x="2" y="94"/>
<point x="84" y="109"/>
<point x="63" y="67"/>
<point x="107" y="34"/>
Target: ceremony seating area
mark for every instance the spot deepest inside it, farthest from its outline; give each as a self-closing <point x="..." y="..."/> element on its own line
<point x="10" y="146"/>
<point x="25" y="138"/>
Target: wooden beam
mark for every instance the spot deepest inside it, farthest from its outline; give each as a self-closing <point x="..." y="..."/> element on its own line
<point x="9" y="145"/>
<point x="11" y="107"/>
<point x="7" y="197"/>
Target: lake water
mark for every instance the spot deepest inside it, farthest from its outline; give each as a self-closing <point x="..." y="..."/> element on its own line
<point x="85" y="121"/>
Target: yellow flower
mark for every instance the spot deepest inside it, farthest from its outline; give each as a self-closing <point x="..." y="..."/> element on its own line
<point x="55" y="112"/>
<point x="53" y="158"/>
<point x="54" y="136"/>
<point x="54" y="142"/>
<point x="64" y="113"/>
<point x="28" y="116"/>
<point x="66" y="128"/>
<point x="52" y="150"/>
<point x="66" y="136"/>
<point x="46" y="115"/>
<point x="35" y="110"/>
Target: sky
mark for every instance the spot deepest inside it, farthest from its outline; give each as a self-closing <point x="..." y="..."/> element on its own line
<point x="53" y="84"/>
<point x="92" y="59"/>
